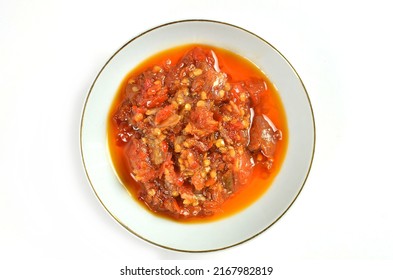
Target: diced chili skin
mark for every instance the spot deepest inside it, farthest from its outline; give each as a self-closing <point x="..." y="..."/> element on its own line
<point x="202" y="118"/>
<point x="228" y="180"/>
<point x="124" y="112"/>
<point x="124" y="134"/>
<point x="164" y="146"/>
<point x="210" y="82"/>
<point x="131" y="91"/>
<point x="236" y="89"/>
<point x="256" y="132"/>
<point x="262" y="137"/>
<point x="243" y="168"/>
<point x="123" y="121"/>
<point x="156" y="101"/>
<point x="157" y="151"/>
<point x="164" y="114"/>
<point x="139" y="161"/>
<point x="199" y="55"/>
<point x="257" y="89"/>
<point x="234" y="133"/>
<point x="168" y="173"/>
<point x="203" y="144"/>
<point x="198" y="181"/>
<point x="148" y="90"/>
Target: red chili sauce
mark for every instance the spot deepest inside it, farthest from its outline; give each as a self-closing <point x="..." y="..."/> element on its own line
<point x="197" y="133"/>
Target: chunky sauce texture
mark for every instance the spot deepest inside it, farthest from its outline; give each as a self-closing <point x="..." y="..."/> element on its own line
<point x="197" y="133"/>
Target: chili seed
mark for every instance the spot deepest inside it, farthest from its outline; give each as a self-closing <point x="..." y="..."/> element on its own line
<point x="243" y="97"/>
<point x="223" y="149"/>
<point x="221" y="93"/>
<point x="201" y="103"/>
<point x="185" y="81"/>
<point x="220" y="143"/>
<point x="180" y="99"/>
<point x="156" y="131"/>
<point x="186" y="201"/>
<point x="138" y="117"/>
<point x="197" y="72"/>
<point x="157" y="69"/>
<point x="151" y="111"/>
<point x="226" y="118"/>
<point x="174" y="104"/>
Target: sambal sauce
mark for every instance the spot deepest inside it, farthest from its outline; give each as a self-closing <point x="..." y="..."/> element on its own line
<point x="197" y="133"/>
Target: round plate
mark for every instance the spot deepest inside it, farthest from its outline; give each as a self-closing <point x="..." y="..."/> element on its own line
<point x="222" y="233"/>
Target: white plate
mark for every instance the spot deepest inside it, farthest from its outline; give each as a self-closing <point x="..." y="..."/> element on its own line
<point x="225" y="232"/>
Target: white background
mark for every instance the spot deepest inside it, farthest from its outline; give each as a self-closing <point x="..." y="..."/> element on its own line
<point x="52" y="225"/>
